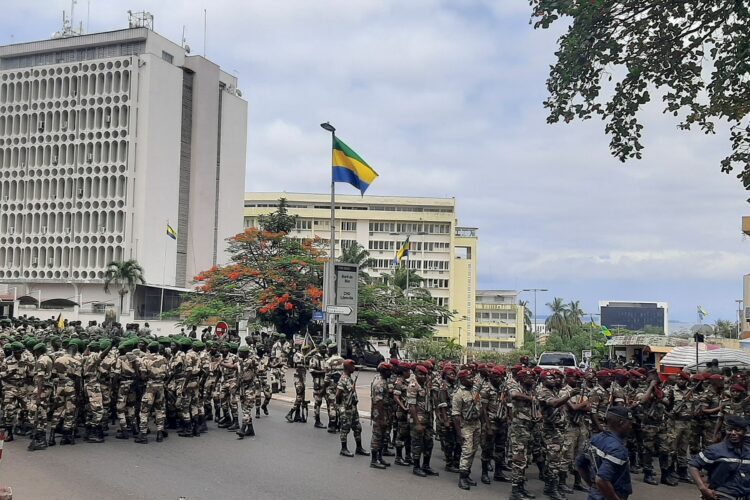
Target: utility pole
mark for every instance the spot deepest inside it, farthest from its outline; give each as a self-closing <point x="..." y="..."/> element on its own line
<point x="536" y="334"/>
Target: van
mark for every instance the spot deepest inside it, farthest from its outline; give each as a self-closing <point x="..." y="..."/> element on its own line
<point x="558" y="360"/>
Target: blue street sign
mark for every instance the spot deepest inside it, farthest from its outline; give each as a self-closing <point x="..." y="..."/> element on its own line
<point x="318" y="316"/>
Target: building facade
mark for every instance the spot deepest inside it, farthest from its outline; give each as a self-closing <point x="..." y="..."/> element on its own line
<point x="498" y="321"/>
<point x="105" y="139"/>
<point x="634" y="315"/>
<point x="442" y="253"/>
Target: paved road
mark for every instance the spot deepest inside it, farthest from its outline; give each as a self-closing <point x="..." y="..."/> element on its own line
<point x="285" y="461"/>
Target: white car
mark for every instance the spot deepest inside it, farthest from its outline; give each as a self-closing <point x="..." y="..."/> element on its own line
<point x="558" y="360"/>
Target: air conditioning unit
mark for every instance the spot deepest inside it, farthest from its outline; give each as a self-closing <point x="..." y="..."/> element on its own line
<point x="107" y="119"/>
<point x="90" y="157"/>
<point x="6" y="197"/>
<point x="11" y="230"/>
<point x="34" y="261"/>
<point x="41" y="127"/>
<point x="54" y="160"/>
<point x="51" y="262"/>
<point x="44" y="229"/>
<point x="64" y="126"/>
<point x="80" y="192"/>
<point x="67" y="230"/>
<point x="74" y="93"/>
<point x="102" y="229"/>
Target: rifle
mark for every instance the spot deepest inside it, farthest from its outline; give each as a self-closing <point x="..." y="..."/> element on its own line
<point x="688" y="397"/>
<point x="350" y="396"/>
<point x="305" y="410"/>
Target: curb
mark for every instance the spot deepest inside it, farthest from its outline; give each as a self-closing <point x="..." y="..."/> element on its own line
<point x="290" y="401"/>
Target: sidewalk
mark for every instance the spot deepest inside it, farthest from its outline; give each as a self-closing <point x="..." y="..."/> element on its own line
<point x="363" y="391"/>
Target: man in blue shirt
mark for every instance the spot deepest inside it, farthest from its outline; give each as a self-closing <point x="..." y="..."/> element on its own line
<point x="604" y="466"/>
<point x="727" y="464"/>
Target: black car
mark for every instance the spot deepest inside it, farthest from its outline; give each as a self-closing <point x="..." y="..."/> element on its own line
<point x="362" y="352"/>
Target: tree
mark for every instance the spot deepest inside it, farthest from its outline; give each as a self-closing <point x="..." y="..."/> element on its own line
<point x="526" y="315"/>
<point x="726" y="329"/>
<point x="279" y="221"/>
<point x="356" y="254"/>
<point x="124" y="276"/>
<point x="574" y="314"/>
<point x="398" y="278"/>
<point x="557" y="321"/>
<point x="693" y="52"/>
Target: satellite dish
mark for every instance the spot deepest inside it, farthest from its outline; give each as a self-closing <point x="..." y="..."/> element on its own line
<point x="239" y="94"/>
<point x="187" y="49"/>
<point x="703" y="329"/>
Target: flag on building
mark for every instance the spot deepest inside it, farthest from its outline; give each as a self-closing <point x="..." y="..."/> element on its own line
<point x="702" y="313"/>
<point x="60" y="322"/>
<point x="171" y="232"/>
<point x="349" y="167"/>
<point x="606" y="332"/>
<point x="402" y="252"/>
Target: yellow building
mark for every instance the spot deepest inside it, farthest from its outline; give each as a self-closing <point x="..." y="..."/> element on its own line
<point x="442" y="253"/>
<point x="498" y="321"/>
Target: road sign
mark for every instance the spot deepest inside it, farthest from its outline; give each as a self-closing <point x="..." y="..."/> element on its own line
<point x="318" y="316"/>
<point x="346" y="291"/>
<point x="221" y="328"/>
<point x="339" y="310"/>
<point x="586" y="354"/>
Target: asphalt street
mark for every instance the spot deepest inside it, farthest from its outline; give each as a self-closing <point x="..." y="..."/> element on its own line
<point x="285" y="461"/>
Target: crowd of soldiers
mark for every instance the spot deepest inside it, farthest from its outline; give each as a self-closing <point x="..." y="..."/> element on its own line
<point x="58" y="378"/>
<point x="522" y="415"/>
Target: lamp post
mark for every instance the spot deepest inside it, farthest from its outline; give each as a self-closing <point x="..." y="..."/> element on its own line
<point x="536" y="336"/>
<point x="591" y="329"/>
<point x="332" y="244"/>
<point x="740" y="306"/>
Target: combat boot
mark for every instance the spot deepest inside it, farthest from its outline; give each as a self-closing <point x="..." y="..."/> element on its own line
<point x="562" y="485"/>
<point x="95" y="435"/>
<point x="290" y="416"/>
<point x="462" y="481"/>
<point x="51" y="441"/>
<point x="682" y="475"/>
<point x="499" y="475"/>
<point x="68" y="438"/>
<point x="359" y="450"/>
<point x="400" y="457"/>
<point x="451" y="466"/>
<point x="141" y="438"/>
<point x="235" y="425"/>
<point x="388" y="453"/>
<point x="318" y="423"/>
<point x="250" y="431"/>
<point x="257" y="412"/>
<point x="426" y="466"/>
<point x="470" y="480"/>
<point x="374" y="463"/>
<point x="297" y="416"/>
<point x="417" y="470"/>
<point x="577" y="486"/>
<point x="209" y="411"/>
<point x="9" y="434"/>
<point x="122" y="433"/>
<point x="516" y="494"/>
<point x="649" y="477"/>
<point x="265" y="407"/>
<point x="39" y="442"/>
<point x="196" y="426"/>
<point x="345" y="450"/>
<point x="224" y="422"/>
<point x="526" y="493"/>
<point x="540" y="466"/>
<point x="203" y="427"/>
<point x="241" y="432"/>
<point x="185" y="429"/>
<point x="159" y="436"/>
<point x="332" y="426"/>
<point x="551" y="488"/>
<point x="486" y="472"/>
<point x="380" y="459"/>
<point x="503" y="464"/>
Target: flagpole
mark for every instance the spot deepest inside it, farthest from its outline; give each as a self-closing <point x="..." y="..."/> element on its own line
<point x="332" y="243"/>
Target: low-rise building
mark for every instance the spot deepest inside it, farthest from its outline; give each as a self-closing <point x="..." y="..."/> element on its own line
<point x="498" y="321"/>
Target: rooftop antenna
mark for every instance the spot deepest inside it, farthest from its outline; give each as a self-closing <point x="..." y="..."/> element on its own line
<point x="141" y="19"/>
<point x="204" y="32"/>
<point x="88" y="15"/>
<point x="67" y="26"/>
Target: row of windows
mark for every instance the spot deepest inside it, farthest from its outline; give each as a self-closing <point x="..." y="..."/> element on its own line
<point x="416" y="246"/>
<point x="103" y="221"/>
<point x="59" y="256"/>
<point x="435" y="283"/>
<point x="427" y="265"/>
<point x="496" y="316"/>
<point x="64" y="188"/>
<point x="105" y="117"/>
<point x="64" y="154"/>
<point x="485" y="345"/>
<point x="64" y="87"/>
<point x="495" y="330"/>
<point x="410" y="227"/>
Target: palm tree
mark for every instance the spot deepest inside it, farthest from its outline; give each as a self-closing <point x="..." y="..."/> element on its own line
<point x="399" y="278"/>
<point x="557" y="322"/>
<point x="574" y="314"/>
<point x="124" y="276"/>
<point x="526" y="315"/>
<point x="356" y="254"/>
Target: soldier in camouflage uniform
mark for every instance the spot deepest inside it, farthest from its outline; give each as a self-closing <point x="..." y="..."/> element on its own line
<point x="525" y="415"/>
<point x="635" y="438"/>
<point x="248" y="366"/>
<point x="124" y="373"/>
<point x="402" y="439"/>
<point x="153" y="369"/>
<point x="576" y="428"/>
<point x="104" y="375"/>
<point x="736" y="403"/>
<point x="228" y="390"/>
<point x="466" y="409"/>
<point x="316" y="365"/>
<point x="263" y="389"/>
<point x="706" y="408"/>
<point x="680" y="417"/>
<point x="95" y="416"/>
<point x="600" y="399"/>
<point x="40" y="406"/>
<point x="446" y="431"/>
<point x="334" y="368"/>
<point x="495" y="424"/>
<point x="211" y="401"/>
<point x="68" y="370"/>
<point x="418" y="397"/>
<point x="296" y="413"/>
<point x="13" y="377"/>
<point x="553" y="407"/>
<point x="653" y="405"/>
<point x="380" y="399"/>
<point x="346" y="399"/>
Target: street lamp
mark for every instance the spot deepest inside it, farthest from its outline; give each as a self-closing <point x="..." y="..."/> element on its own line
<point x="739" y="316"/>
<point x="535" y="290"/>
<point x="591" y="329"/>
<point x="332" y="244"/>
<point x="327" y="126"/>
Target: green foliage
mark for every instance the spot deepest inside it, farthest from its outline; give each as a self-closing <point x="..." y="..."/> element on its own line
<point x="356" y="254"/>
<point x="726" y="329"/>
<point x="124" y="275"/>
<point x="694" y="52"/>
<point x="580" y="339"/>
<point x="279" y="221"/>
<point x="441" y="350"/>
<point x="208" y="311"/>
<point x="499" y="358"/>
<point x="526" y="316"/>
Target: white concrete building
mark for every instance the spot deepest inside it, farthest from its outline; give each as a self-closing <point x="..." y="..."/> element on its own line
<point x="106" y="138"/>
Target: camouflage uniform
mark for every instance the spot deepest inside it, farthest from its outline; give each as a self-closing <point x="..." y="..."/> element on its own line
<point x="68" y="371"/>
<point x="317" y="371"/>
<point x="521" y="428"/>
<point x="40" y="404"/>
<point x="347" y="409"/>
<point x="599" y="401"/>
<point x="703" y="426"/>
<point x="680" y="419"/>
<point x="125" y="370"/>
<point x="655" y="441"/>
<point x="334" y="369"/>
<point x="262" y="387"/>
<point x="467" y="404"/>
<point x="13" y="377"/>
<point x="576" y="431"/>
<point x="403" y="438"/>
<point x="154" y="369"/>
<point x="93" y="390"/>
<point x="421" y="441"/>
<point x="494" y="433"/>
<point x="187" y="395"/>
<point x="553" y="430"/>
<point x="247" y="369"/>
<point x="379" y="398"/>
<point x="446" y="431"/>
<point x="211" y="400"/>
<point x="228" y="390"/>
<point x="104" y="375"/>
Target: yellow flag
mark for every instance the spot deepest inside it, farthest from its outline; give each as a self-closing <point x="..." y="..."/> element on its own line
<point x="60" y="322"/>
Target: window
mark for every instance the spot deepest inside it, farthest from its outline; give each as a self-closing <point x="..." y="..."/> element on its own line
<point x="382" y="227"/>
<point x="303" y="225"/>
<point x="348" y="225"/>
<point x="167" y="56"/>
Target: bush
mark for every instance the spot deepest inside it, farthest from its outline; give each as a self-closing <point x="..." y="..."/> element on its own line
<point x="441" y="350"/>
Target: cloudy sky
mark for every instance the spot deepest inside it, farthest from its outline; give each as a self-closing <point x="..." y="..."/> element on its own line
<point x="444" y="98"/>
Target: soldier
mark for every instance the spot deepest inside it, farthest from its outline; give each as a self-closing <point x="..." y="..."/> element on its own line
<point x="525" y="415"/>
<point x="95" y="416"/>
<point x="420" y="409"/>
<point x="68" y="370"/>
<point x="278" y="362"/>
<point x="446" y="431"/>
<point x="104" y="376"/>
<point x="43" y="371"/>
<point x="379" y="397"/>
<point x="123" y="374"/>
<point x="736" y="404"/>
<point x="576" y="431"/>
<point x="153" y="369"/>
<point x="317" y="371"/>
<point x="635" y="438"/>
<point x="229" y="400"/>
<point x="334" y="369"/>
<point x="402" y="439"/>
<point x="248" y="365"/>
<point x="600" y="399"/>
<point x="346" y="398"/>
<point x="296" y="414"/>
<point x="466" y="409"/>
<point x="680" y="416"/>
<point x="707" y="407"/>
<point x="211" y="401"/>
<point x="13" y="377"/>
<point x="653" y="406"/>
<point x="494" y="428"/>
<point x="262" y="387"/>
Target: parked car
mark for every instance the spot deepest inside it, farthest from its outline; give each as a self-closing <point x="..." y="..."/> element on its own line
<point x="559" y="360"/>
<point x="362" y="352"/>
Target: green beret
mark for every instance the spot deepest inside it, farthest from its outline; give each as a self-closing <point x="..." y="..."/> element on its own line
<point x="185" y="342"/>
<point x="165" y="341"/>
<point x="198" y="345"/>
<point x="17" y="346"/>
<point x="153" y="344"/>
<point x="244" y="348"/>
<point x="210" y="344"/>
<point x="40" y="346"/>
<point x="105" y="344"/>
<point x="332" y="345"/>
<point x="30" y="342"/>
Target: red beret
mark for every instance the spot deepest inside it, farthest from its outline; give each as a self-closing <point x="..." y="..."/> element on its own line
<point x="449" y="368"/>
<point x="406" y="365"/>
<point x="642" y="370"/>
<point x="635" y="374"/>
<point x="395" y="362"/>
<point x="421" y="369"/>
<point x="428" y="364"/>
<point x="385" y="366"/>
<point x="603" y="373"/>
<point x="523" y="372"/>
<point x="716" y="376"/>
<point x="537" y="369"/>
<point x="498" y="371"/>
<point x="348" y="362"/>
<point x="684" y="375"/>
<point x="571" y="372"/>
<point x="738" y="387"/>
<point x="464" y="374"/>
<point x="620" y="372"/>
<point x="699" y="377"/>
<point x="515" y="368"/>
<point x="547" y="373"/>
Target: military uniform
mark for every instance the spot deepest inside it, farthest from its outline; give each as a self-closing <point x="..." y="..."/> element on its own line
<point x="680" y="417"/>
<point x="43" y="372"/>
<point x="402" y="439"/>
<point x="553" y="431"/>
<point x="93" y="390"/>
<point x="379" y="398"/>
<point x="347" y="409"/>
<point x="316" y="365"/>
<point x="154" y="369"/>
<point x="67" y="369"/>
<point x="263" y="389"/>
<point x="655" y="442"/>
<point x="13" y="376"/>
<point x="125" y="370"/>
<point x="446" y="431"/>
<point x="421" y="430"/>
<point x="520" y="432"/>
<point x="334" y="368"/>
<point x="467" y="405"/>
<point x="247" y="372"/>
